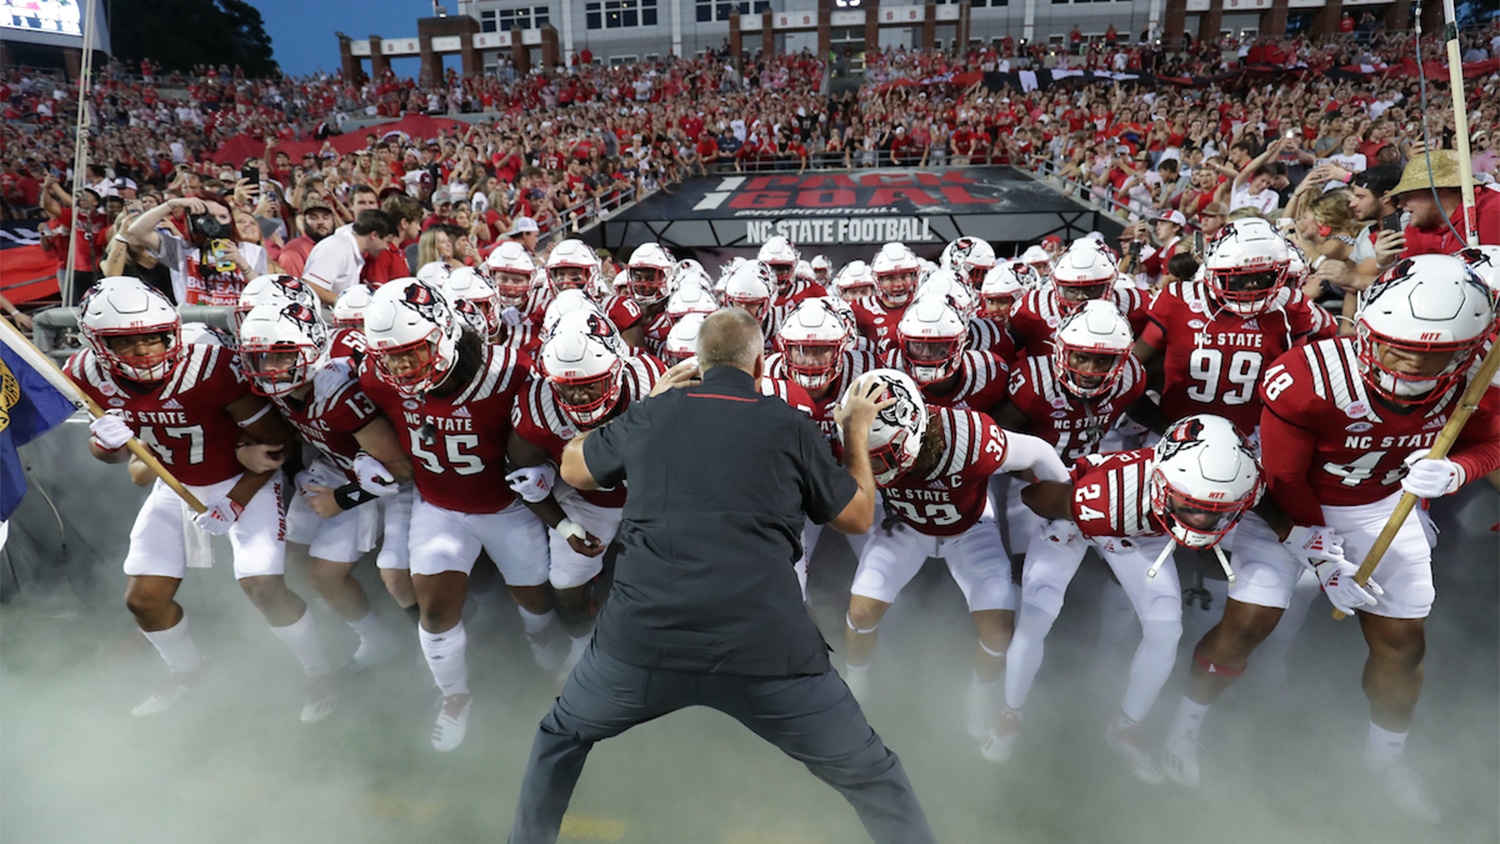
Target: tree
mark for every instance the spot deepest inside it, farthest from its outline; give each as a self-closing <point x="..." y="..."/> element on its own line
<point x="178" y="34"/>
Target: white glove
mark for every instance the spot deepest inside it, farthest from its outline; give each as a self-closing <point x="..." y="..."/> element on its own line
<point x="1431" y="478"/>
<point x="1060" y="531"/>
<point x="533" y="483"/>
<point x="320" y="473"/>
<point x="1315" y="545"/>
<point x="1346" y="596"/>
<point x="110" y="432"/>
<point x="373" y="477"/>
<point x="331" y="377"/>
<point x="219" y="517"/>
<point x="511" y="317"/>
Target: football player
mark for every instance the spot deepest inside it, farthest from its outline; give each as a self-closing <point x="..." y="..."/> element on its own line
<point x="929" y="346"/>
<point x="451" y="395"/>
<point x="933" y="466"/>
<point x="1085" y="271"/>
<point x="191" y="406"/>
<point x="1352" y="419"/>
<point x="587" y="381"/>
<point x="782" y="257"/>
<point x="896" y="270"/>
<point x="359" y="459"/>
<point x="1133" y="507"/>
<point x="573" y="265"/>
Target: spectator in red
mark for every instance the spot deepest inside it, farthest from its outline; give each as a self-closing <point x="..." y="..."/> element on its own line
<point x="78" y="222"/>
<point x="1435" y="221"/>
<point x="318" y="222"/>
<point x="1346" y="23"/>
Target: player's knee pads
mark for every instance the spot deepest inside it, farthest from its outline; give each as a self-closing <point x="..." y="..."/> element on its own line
<point x="994" y="591"/>
<point x="849" y="620"/>
<point x="1043" y="595"/>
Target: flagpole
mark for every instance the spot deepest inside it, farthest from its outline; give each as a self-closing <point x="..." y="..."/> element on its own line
<point x="80" y="146"/>
<point x="1460" y="124"/>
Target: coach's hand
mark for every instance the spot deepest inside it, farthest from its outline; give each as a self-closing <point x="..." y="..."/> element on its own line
<point x="684" y="374"/>
<point x="858" y="409"/>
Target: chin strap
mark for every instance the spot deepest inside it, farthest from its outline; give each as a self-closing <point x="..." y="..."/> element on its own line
<point x="1167" y="552"/>
<point x="1224" y="563"/>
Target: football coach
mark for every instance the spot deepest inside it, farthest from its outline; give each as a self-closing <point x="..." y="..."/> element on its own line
<point x="705" y="608"/>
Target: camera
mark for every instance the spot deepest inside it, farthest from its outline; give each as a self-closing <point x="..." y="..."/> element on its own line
<point x="207" y="226"/>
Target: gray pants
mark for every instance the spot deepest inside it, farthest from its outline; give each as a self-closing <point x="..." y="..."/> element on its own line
<point x="813" y="719"/>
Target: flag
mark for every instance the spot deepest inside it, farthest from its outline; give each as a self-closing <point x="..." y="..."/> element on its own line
<point x="29" y="407"/>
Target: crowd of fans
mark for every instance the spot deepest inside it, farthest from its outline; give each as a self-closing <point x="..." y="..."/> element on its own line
<point x="554" y="152"/>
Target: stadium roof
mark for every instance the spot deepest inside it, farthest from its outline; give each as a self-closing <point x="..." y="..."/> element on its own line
<point x="853" y="207"/>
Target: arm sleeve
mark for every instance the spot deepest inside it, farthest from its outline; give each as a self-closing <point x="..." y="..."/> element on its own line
<point x="1023" y="451"/>
<point x="1286" y="468"/>
<point x="1477" y="449"/>
<point x="827" y="487"/>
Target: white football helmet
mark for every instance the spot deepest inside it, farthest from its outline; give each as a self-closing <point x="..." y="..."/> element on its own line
<point x="804" y="272"/>
<point x="465" y="284"/>
<point x="781" y="256"/>
<point x="812" y="341"/>
<point x="844" y="311"/>
<point x="896" y="269"/>
<point x="565" y="303"/>
<point x="1003" y="286"/>
<point x="434" y="273"/>
<point x="512" y="273"/>
<point x="1091" y="348"/>
<point x="751" y="286"/>
<point x="896" y="436"/>
<point x="573" y="265"/>
<point x="682" y="341"/>
<point x="692" y="296"/>
<point x="412" y="335"/>
<point x="945" y="284"/>
<point x="280" y="343"/>
<point x="1425" y="305"/>
<point x="581" y="359"/>
<point x="689" y="270"/>
<point x="120" y="307"/>
<point x="651" y="270"/>
<point x="1040" y="262"/>
<point x="1246" y="266"/>
<point x="822" y="268"/>
<point x="349" y="307"/>
<point x="931" y="337"/>
<point x="969" y="258"/>
<point x="1203" y="477"/>
<point x="854" y="281"/>
<point x="1082" y="273"/>
<point x="274" y="288"/>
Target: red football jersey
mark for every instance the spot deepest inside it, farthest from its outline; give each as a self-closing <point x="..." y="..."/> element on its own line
<point x="182" y="418"/>
<point x="1214" y="358"/>
<point x="877" y="323"/>
<point x="801" y="289"/>
<point x="657" y="328"/>
<point x="1072" y="425"/>
<point x="987" y="335"/>
<point x="1037" y="315"/>
<point x="1329" y="442"/>
<point x="347" y="343"/>
<point x="457" y="440"/>
<point x="981" y="381"/>
<point x="1111" y="496"/>
<point x="621" y="310"/>
<point x="856" y="363"/>
<point x="794" y="394"/>
<point x="329" y="425"/>
<point x="952" y="497"/>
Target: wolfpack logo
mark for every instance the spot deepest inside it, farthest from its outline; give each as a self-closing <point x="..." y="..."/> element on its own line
<point x="600" y="327"/>
<point x="1184" y="434"/>
<point x="1359" y="427"/>
<point x="424" y="300"/>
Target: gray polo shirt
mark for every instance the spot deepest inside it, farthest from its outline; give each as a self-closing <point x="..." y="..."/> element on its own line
<point x="721" y="480"/>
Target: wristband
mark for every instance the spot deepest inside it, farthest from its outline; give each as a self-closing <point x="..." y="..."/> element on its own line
<point x="570" y="529"/>
<point x="351" y="495"/>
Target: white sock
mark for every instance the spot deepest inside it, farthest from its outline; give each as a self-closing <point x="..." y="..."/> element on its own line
<point x="1151" y="666"/>
<point x="301" y="636"/>
<point x="1189" y="718"/>
<point x="1385" y="744"/>
<point x="535" y="623"/>
<point x="1024" y="656"/>
<point x="175" y="644"/>
<point x="365" y="627"/>
<point x="445" y="654"/>
<point x="851" y="668"/>
<point x="980" y="681"/>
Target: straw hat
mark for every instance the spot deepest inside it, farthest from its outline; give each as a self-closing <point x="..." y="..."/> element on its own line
<point x="1416" y="177"/>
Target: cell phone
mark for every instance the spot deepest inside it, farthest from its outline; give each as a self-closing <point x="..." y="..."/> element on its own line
<point x="1198" y="242"/>
<point x="251" y="174"/>
<point x="1391" y="222"/>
